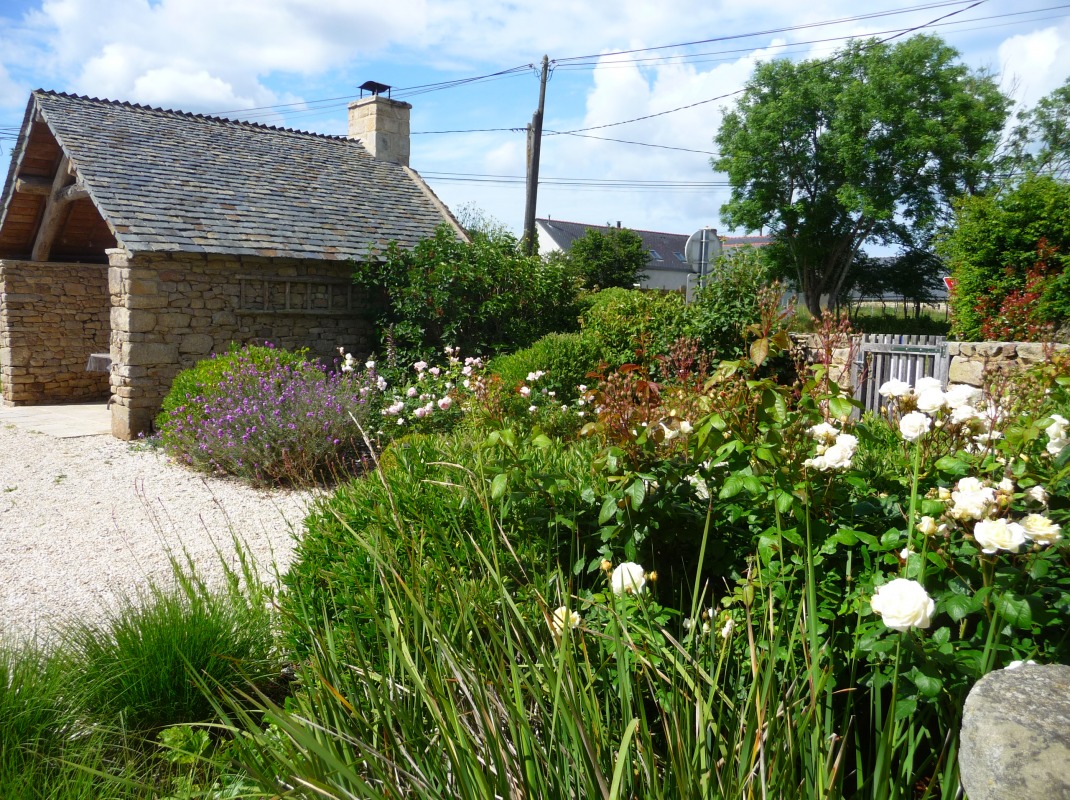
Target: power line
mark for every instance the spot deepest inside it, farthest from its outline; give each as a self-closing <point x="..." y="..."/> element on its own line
<point x="629" y="141"/>
<point x="769" y="32"/>
<point x="697" y="58"/>
<point x="741" y="90"/>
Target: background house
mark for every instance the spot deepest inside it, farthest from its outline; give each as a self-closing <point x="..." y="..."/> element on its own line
<point x="160" y="237"/>
<point x="666" y="266"/>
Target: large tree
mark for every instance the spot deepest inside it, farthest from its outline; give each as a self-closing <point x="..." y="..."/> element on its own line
<point x="1040" y="143"/>
<point x="867" y="146"/>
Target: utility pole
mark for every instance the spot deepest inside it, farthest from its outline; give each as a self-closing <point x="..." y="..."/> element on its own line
<point x="534" y="147"/>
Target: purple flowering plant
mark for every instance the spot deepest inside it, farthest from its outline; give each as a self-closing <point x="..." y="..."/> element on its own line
<point x="273" y="420"/>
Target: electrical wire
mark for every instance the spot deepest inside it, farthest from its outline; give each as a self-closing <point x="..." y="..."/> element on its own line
<point x="726" y="95"/>
<point x="698" y="58"/>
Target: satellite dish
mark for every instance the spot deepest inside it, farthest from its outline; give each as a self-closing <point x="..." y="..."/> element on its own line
<point x="702" y="249"/>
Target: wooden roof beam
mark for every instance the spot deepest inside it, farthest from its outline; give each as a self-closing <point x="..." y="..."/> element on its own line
<point x="32" y="185"/>
<point x="61" y="194"/>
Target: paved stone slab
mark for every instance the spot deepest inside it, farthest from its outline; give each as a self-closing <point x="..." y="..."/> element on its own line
<point x="62" y="422"/>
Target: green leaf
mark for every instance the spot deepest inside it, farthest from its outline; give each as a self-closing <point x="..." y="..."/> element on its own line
<point x="542" y="441"/>
<point x="891" y="538"/>
<point x="1015" y="610"/>
<point x="498" y="485"/>
<point x="609" y="510"/>
<point x="733" y="485"/>
<point x="959" y="606"/>
<point x="840" y="407"/>
<point x="636" y="492"/>
<point x="783" y="500"/>
<point x="752" y="484"/>
<point x="955" y="466"/>
<point x="930" y="508"/>
<point x="792" y="535"/>
<point x="928" y="685"/>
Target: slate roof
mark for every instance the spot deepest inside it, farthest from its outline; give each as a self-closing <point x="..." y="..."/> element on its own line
<point x="174" y="181"/>
<point x="669" y="246"/>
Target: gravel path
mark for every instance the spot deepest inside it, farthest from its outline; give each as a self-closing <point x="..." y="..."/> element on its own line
<point x="86" y="521"/>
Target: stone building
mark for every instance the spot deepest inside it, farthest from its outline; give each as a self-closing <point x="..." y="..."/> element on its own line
<point x="149" y="239"/>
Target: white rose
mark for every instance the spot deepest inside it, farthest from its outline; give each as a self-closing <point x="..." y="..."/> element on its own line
<point x="685" y="427"/>
<point x="1006" y="485"/>
<point x="971" y="499"/>
<point x="903" y="604"/>
<point x="998" y="534"/>
<point x="627" y="578"/>
<point x="927" y="526"/>
<point x="847" y="441"/>
<point x="1057" y="429"/>
<point x="931" y="401"/>
<point x="960" y="395"/>
<point x="701" y="489"/>
<point x="824" y="432"/>
<point x="923" y="385"/>
<point x="914" y="425"/>
<point x="1056" y="446"/>
<point x="1041" y="530"/>
<point x="839" y="455"/>
<point x="1037" y="494"/>
<point x="964" y="413"/>
<point x="563" y="619"/>
<point x="894" y="388"/>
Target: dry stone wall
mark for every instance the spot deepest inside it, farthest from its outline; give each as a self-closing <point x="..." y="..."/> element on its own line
<point x="52" y="317"/>
<point x="970" y="360"/>
<point x="170" y="310"/>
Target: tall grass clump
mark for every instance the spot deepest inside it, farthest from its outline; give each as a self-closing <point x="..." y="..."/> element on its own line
<point x="269" y="417"/>
<point x="36" y="718"/>
<point x="141" y="669"/>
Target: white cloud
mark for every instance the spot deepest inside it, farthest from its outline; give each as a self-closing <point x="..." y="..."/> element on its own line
<point x="1036" y="63"/>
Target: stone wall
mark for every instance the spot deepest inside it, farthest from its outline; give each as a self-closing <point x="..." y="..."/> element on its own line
<point x="52" y="316"/>
<point x="170" y="310"/>
<point x="970" y="360"/>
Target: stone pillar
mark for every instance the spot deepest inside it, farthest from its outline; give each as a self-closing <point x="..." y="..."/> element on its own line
<point x="141" y="366"/>
<point x="382" y="126"/>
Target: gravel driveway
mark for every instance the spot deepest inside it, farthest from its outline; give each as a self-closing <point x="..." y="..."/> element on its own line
<point x="84" y="521"/>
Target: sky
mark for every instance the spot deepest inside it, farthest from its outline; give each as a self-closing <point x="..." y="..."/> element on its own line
<point x="298" y="63"/>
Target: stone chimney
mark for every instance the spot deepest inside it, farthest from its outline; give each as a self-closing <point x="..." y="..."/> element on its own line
<point x="382" y="126"/>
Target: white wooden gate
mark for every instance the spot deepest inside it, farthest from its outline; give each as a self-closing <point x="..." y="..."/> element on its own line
<point x="882" y="356"/>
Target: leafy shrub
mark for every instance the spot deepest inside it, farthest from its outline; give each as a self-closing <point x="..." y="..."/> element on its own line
<point x="482" y="296"/>
<point x="627" y="322"/>
<point x="264" y="416"/>
<point x="923" y="325"/>
<point x="723" y="309"/>
<point x="609" y="257"/>
<point x="994" y="242"/>
<point x="566" y="358"/>
<point x="420" y="510"/>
